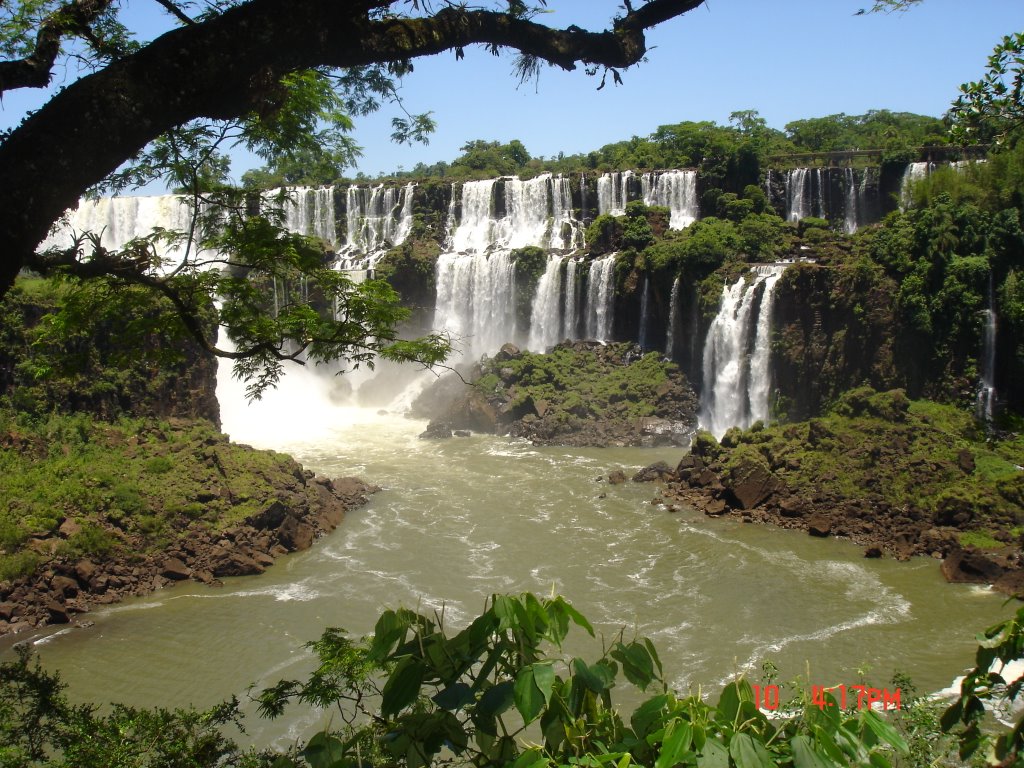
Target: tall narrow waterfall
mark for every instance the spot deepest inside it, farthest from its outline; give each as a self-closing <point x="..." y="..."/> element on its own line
<point x="736" y="353"/>
<point x="645" y="300"/>
<point x="850" y="205"/>
<point x="987" y="387"/>
<point x="601" y="298"/>
<point x="675" y="190"/>
<point x="613" y="192"/>
<point x="377" y="218"/>
<point x="798" y="196"/>
<point x="673" y="320"/>
<point x="570" y="313"/>
<point x="546" y="317"/>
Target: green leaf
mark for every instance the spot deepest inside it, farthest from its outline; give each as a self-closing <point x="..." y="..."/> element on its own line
<point x="529" y="698"/>
<point x="402" y="687"/>
<point x="455" y="696"/>
<point x="675" y="744"/>
<point x="324" y="751"/>
<point x="496" y="700"/>
<point x="589" y="676"/>
<point x="805" y="756"/>
<point x="746" y="752"/>
<point x="544" y="677"/>
<point x="884" y="730"/>
<point x="714" y="755"/>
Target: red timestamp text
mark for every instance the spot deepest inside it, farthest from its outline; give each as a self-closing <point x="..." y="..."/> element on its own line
<point x="842" y="696"/>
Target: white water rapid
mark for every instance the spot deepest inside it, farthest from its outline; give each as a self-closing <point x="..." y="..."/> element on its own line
<point x="600" y="298"/>
<point x="377" y="218"/>
<point x="546" y="316"/>
<point x="736" y="353"/>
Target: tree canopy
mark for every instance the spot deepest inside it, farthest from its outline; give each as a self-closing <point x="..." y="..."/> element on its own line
<point x="282" y="78"/>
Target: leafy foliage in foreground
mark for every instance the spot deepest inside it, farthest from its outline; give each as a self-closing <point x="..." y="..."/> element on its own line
<point x="492" y="694"/>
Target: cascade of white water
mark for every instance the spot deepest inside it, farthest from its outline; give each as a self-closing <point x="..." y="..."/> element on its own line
<point x="377" y="218"/>
<point x="310" y="211"/>
<point x="987" y="385"/>
<point x="645" y="300"/>
<point x="566" y="232"/>
<point x="476" y="300"/>
<point x="735" y="375"/>
<point x="570" y="320"/>
<point x="119" y="220"/>
<point x="546" y="317"/>
<point x="601" y="298"/>
<point x="613" y="192"/>
<point x="675" y="190"/>
<point x="797" y="195"/>
<point x="476" y="229"/>
<point x="673" y="320"/>
<point x="821" y="180"/>
<point x="850" y="207"/>
<point x="914" y="173"/>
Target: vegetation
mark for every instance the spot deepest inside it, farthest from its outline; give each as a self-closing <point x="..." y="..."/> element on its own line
<point x="72" y="486"/>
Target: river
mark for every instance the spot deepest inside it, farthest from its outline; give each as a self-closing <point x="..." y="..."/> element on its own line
<point x="463" y="518"/>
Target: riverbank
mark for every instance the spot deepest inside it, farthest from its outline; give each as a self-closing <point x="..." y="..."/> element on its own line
<point x="896" y="476"/>
<point x="95" y="512"/>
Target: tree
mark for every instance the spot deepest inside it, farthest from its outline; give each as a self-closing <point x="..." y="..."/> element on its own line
<point x="280" y="77"/>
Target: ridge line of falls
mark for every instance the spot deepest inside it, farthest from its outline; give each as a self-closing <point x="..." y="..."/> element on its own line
<point x="987" y="386"/>
<point x="377" y="218"/>
<point x="673" y="320"/>
<point x="546" y="314"/>
<point x="601" y="298"/>
<point x="309" y="211"/>
<point x="737" y="352"/>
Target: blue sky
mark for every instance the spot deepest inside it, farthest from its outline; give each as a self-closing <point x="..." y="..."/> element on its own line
<point x="788" y="59"/>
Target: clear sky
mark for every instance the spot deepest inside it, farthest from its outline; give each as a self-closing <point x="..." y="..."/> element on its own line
<point x="788" y="59"/>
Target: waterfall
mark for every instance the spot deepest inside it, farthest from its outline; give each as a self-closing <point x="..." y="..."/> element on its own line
<point x="566" y="231"/>
<point x="377" y="218"/>
<point x="850" y="208"/>
<point x="119" y="220"/>
<point x="613" y="192"/>
<point x="987" y="387"/>
<point x="546" y="318"/>
<point x="798" y="205"/>
<point x="601" y="298"/>
<point x="570" y="319"/>
<point x="914" y="173"/>
<point x="675" y="190"/>
<point x="673" y="320"/>
<point x="309" y="211"/>
<point x="645" y="297"/>
<point x="820" y="178"/>
<point x="736" y="376"/>
<point x="476" y="300"/>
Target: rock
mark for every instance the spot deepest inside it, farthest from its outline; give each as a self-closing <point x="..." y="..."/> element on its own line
<point x="6" y="611"/>
<point x="715" y="507"/>
<point x="57" y="612"/>
<point x="873" y="551"/>
<point x="85" y="570"/>
<point x="436" y="430"/>
<point x="541" y="407"/>
<point x="462" y="433"/>
<point x="64" y="586"/>
<point x="657" y="471"/>
<point x="966" y="567"/>
<point x="791" y="506"/>
<point x="819" y="525"/>
<point x="236" y="564"/>
<point x="751" y="482"/>
<point x="507" y="352"/>
<point x="294" y="535"/>
<point x="270" y="518"/>
<point x="69" y="528"/>
<point x="965" y="459"/>
<point x="175" y="570"/>
<point x="1011" y="583"/>
<point x="616" y="477"/>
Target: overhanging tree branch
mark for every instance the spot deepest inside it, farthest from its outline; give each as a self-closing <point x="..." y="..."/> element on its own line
<point x="230" y="66"/>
